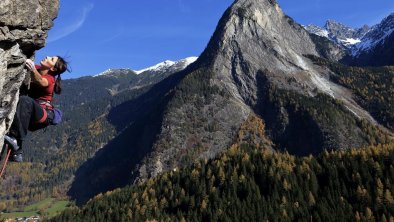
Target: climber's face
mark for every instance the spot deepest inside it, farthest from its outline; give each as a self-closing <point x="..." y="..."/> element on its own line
<point x="49" y="62"/>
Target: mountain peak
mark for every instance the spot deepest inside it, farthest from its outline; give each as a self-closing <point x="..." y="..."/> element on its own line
<point x="263" y="21"/>
<point x="376" y="36"/>
<point x="162" y="66"/>
<point x="254" y="61"/>
<point x="168" y="64"/>
<point x="317" y="30"/>
<point x="342" y="35"/>
<point x="332" y="22"/>
<point x="340" y="31"/>
<point x="117" y="70"/>
<point x="257" y="35"/>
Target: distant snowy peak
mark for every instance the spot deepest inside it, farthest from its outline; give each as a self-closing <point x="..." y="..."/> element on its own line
<point x="160" y="66"/>
<point x="317" y="30"/>
<point x="339" y="33"/>
<point x="110" y="72"/>
<point x="376" y="36"/>
<point x="188" y="60"/>
<point x="166" y="65"/>
<point x="359" y="40"/>
<point x="339" y="30"/>
<point x="163" y="66"/>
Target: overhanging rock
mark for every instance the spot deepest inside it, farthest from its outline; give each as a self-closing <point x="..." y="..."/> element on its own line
<point x="24" y="26"/>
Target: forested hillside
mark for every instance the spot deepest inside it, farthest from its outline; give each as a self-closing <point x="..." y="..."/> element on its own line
<point x="373" y="87"/>
<point x="53" y="155"/>
<point x="249" y="182"/>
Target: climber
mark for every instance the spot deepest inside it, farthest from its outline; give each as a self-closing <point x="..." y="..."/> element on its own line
<point x="36" y="111"/>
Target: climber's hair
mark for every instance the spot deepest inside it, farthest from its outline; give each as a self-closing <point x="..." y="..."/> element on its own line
<point x="60" y="67"/>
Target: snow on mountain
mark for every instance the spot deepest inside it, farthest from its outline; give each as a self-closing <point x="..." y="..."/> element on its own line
<point x="358" y="40"/>
<point x="168" y="64"/>
<point x="189" y="60"/>
<point x="111" y="71"/>
<point x="317" y="30"/>
<point x="349" y="41"/>
<point x="376" y="36"/>
<point x="157" y="67"/>
<point x="339" y="33"/>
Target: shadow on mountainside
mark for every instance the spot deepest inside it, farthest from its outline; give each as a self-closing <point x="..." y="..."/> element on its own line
<point x="305" y="125"/>
<point x="138" y="121"/>
<point x="291" y="130"/>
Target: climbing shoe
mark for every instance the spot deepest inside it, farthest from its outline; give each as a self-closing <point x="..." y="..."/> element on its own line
<point x="16" y="157"/>
<point x="12" y="143"/>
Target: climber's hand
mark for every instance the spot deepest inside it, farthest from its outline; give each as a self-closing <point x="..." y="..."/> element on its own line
<point x="30" y="65"/>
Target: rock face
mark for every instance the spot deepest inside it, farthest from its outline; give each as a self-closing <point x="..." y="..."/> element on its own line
<point x="24" y="25"/>
<point x="255" y="49"/>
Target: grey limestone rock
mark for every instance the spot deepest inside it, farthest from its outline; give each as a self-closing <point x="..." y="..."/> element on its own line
<point x="24" y="25"/>
<point x="254" y="39"/>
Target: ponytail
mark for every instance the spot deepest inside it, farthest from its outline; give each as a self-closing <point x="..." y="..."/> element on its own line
<point x="58" y="85"/>
<point x="60" y="66"/>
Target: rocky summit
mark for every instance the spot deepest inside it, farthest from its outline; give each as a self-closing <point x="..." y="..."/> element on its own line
<point x="345" y="35"/>
<point x="24" y="25"/>
<point x="256" y="63"/>
<point x="365" y="46"/>
<point x="376" y="47"/>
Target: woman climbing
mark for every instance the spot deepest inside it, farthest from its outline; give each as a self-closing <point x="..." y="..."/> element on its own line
<point x="35" y="111"/>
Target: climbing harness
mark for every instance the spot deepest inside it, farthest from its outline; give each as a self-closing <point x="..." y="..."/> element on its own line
<point x="6" y="159"/>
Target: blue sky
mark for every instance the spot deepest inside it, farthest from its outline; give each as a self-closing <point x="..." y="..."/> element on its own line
<point x="98" y="35"/>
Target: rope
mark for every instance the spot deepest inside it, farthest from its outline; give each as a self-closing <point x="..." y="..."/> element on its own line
<point x="6" y="160"/>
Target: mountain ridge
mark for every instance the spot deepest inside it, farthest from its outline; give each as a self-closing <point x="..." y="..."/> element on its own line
<point x="339" y="33"/>
<point x="365" y="46"/>
<point x="168" y="64"/>
<point x="165" y="66"/>
<point x="376" y="35"/>
<point x="237" y="71"/>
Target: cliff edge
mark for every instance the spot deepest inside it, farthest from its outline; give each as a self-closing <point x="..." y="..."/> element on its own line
<point x="24" y="26"/>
